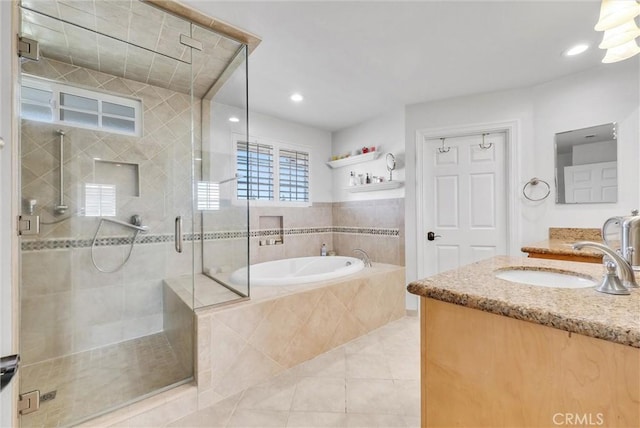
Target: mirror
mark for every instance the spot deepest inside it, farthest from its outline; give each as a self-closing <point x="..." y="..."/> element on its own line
<point x="586" y="165"/>
<point x="391" y="164"/>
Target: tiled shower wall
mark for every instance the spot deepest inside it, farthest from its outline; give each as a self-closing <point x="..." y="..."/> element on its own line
<point x="67" y="305"/>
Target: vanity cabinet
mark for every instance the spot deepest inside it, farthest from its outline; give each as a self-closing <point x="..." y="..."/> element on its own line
<point x="486" y="370"/>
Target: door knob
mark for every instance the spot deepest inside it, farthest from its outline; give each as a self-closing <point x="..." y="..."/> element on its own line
<point x="432" y="236"/>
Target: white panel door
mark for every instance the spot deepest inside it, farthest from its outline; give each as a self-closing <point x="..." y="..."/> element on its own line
<point x="593" y="182"/>
<point x="464" y="201"/>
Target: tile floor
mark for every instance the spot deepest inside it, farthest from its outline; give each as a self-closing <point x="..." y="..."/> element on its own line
<point x="372" y="381"/>
<point x="93" y="381"/>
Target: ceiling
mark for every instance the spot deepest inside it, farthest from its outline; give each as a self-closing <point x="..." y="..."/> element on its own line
<point x="353" y="61"/>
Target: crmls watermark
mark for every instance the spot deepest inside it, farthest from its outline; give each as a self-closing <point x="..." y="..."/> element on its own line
<point x="578" y="419"/>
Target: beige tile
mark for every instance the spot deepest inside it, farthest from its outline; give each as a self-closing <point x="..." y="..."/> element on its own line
<point x="368" y="366"/>
<point x="368" y="344"/>
<point x="258" y="418"/>
<point x="405" y="365"/>
<point x="349" y="328"/>
<point x="316" y="419"/>
<point x="412" y="421"/>
<point x="215" y="416"/>
<point x="272" y="396"/>
<point x="45" y="272"/>
<point x="250" y="368"/>
<point x="408" y="393"/>
<point x="357" y="420"/>
<point x="373" y="396"/>
<point x="275" y="332"/>
<point x="226" y="347"/>
<point x="331" y="364"/>
<point x="319" y="395"/>
<point x="244" y="320"/>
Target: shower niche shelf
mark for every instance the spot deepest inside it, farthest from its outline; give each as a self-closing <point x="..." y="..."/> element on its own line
<point x="352" y="160"/>
<point x="385" y="185"/>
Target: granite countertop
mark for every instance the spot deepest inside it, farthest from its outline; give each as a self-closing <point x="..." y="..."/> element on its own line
<point x="560" y="247"/>
<point x="583" y="311"/>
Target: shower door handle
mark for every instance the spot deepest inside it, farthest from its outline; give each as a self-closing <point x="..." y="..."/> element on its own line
<point x="178" y="234"/>
<point x="8" y="368"/>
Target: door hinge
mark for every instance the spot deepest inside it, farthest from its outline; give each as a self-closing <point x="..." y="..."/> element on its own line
<point x="28" y="224"/>
<point x="29" y="402"/>
<point x="28" y="48"/>
<point x="192" y="43"/>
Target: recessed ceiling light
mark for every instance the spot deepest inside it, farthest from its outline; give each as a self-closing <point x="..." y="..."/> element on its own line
<point x="296" y="97"/>
<point x="234" y="119"/>
<point x="576" y="50"/>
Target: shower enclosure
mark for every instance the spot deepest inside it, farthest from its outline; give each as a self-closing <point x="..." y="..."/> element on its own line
<point x="130" y="175"/>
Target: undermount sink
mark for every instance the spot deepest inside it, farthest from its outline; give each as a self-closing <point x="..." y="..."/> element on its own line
<point x="545" y="278"/>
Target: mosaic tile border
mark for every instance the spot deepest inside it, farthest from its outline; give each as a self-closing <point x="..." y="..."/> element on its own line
<point x="56" y="244"/>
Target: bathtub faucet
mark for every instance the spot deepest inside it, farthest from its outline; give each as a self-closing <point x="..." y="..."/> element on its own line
<point x="364" y="256"/>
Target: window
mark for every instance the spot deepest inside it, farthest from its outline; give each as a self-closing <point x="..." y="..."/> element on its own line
<point x="294" y="175"/>
<point x="261" y="178"/>
<point x="99" y="200"/>
<point x="48" y="101"/>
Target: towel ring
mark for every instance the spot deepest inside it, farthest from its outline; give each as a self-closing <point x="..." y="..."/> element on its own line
<point x="534" y="182"/>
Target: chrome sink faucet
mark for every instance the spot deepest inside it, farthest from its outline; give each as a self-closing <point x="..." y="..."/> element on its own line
<point x="624" y="268"/>
<point x="365" y="257"/>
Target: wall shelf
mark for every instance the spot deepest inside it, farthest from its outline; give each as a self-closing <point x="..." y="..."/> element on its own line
<point x="385" y="185"/>
<point x="351" y="160"/>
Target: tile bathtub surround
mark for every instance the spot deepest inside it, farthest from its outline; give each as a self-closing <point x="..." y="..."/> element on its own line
<point x="377" y="226"/>
<point x="377" y="215"/>
<point x="285" y="326"/>
<point x="371" y="381"/>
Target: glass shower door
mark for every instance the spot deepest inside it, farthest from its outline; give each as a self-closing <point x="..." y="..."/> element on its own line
<point x="107" y="149"/>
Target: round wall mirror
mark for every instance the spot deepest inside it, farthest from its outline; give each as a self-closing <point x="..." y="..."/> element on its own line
<point x="391" y="164"/>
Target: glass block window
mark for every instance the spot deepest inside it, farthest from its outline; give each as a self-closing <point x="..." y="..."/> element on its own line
<point x="99" y="200"/>
<point x="55" y="102"/>
<point x="254" y="164"/>
<point x="294" y="175"/>
<point x="272" y="172"/>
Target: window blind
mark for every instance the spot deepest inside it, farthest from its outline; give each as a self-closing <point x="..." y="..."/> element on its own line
<point x="254" y="164"/>
<point x="208" y="196"/>
<point x="294" y="175"/>
<point x="99" y="200"/>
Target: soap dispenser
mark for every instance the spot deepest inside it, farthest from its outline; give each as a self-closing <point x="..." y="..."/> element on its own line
<point x="323" y="250"/>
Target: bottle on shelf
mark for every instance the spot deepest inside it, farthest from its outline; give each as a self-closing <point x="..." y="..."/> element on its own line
<point x="352" y="179"/>
<point x="368" y="180"/>
<point x="323" y="250"/>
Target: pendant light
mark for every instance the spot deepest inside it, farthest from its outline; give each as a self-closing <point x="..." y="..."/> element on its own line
<point x="622" y="52"/>
<point x="617" y="20"/>
<point x="616" y="12"/>
<point x="620" y="35"/>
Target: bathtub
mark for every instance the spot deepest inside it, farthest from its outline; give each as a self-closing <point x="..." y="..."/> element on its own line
<point x="300" y="270"/>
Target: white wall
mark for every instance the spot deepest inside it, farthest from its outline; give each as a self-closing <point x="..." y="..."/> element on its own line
<point x="604" y="151"/>
<point x="262" y="126"/>
<point x="607" y="93"/>
<point x="386" y="132"/>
